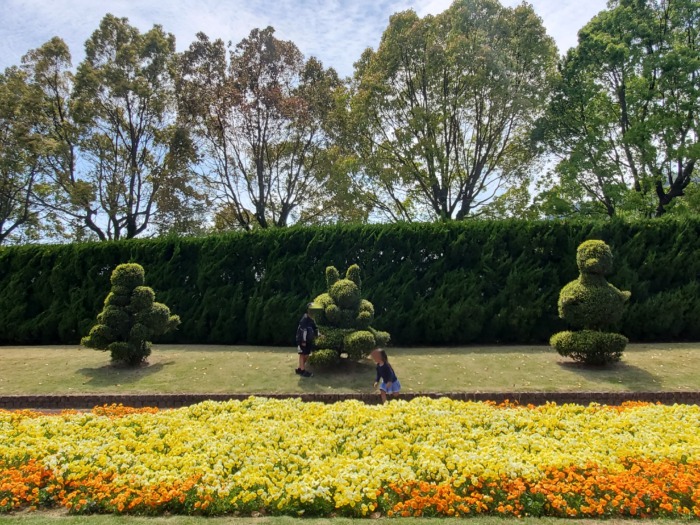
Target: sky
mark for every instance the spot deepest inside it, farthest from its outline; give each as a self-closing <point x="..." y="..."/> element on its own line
<point x="334" y="31"/>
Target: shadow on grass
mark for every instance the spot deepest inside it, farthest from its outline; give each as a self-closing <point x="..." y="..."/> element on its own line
<point x="467" y="350"/>
<point x="112" y="375"/>
<point x="621" y="373"/>
<point x="354" y="375"/>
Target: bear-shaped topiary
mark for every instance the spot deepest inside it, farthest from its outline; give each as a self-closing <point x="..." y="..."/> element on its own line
<point x="344" y="319"/>
<point x="130" y="318"/>
<point x="592" y="304"/>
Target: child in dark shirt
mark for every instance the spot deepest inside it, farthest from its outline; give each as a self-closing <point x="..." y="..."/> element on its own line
<point x="307" y="332"/>
<point x="390" y="383"/>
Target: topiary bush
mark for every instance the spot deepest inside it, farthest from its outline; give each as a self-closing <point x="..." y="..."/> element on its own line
<point x="594" y="305"/>
<point x="324" y="358"/>
<point x="344" y="319"/>
<point x="130" y="318"/>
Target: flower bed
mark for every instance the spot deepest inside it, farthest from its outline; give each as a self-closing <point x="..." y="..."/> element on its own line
<point x="424" y="457"/>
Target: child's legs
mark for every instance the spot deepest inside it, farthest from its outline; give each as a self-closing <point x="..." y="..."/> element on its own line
<point x="383" y="394"/>
<point x="395" y="387"/>
<point x="302" y="361"/>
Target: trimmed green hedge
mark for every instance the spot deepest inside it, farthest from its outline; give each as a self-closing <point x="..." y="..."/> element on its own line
<point x="431" y="284"/>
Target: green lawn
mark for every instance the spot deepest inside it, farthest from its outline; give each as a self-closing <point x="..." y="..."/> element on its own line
<point x="261" y="370"/>
<point x="56" y="518"/>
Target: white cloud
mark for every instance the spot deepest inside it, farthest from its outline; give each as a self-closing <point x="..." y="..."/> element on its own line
<point x="336" y="31"/>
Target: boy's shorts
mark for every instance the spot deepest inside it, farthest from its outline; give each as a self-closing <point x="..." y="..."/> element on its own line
<point x="395" y="387"/>
<point x="304" y="350"/>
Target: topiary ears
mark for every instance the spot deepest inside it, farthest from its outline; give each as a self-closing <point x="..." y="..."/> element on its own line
<point x="332" y="276"/>
<point x="353" y="274"/>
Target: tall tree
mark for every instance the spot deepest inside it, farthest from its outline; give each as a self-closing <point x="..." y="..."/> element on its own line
<point x="442" y="107"/>
<point x="258" y="113"/>
<point x="116" y="153"/>
<point x="59" y="188"/>
<point x="20" y="149"/>
<point x="623" y="119"/>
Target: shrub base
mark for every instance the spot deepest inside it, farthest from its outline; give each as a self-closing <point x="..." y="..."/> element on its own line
<point x="590" y="346"/>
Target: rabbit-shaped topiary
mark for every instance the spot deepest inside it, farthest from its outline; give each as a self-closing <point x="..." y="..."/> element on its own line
<point x="344" y="319"/>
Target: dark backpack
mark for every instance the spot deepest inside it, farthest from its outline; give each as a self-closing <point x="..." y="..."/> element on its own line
<point x="310" y="333"/>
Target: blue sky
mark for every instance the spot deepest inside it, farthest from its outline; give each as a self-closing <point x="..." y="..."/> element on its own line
<point x="335" y="31"/>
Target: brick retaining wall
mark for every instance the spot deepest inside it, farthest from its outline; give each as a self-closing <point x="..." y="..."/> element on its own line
<point x="83" y="401"/>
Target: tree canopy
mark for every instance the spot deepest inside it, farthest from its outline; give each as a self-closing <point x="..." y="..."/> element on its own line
<point x="442" y="107"/>
<point x="623" y="117"/>
<point x="465" y="114"/>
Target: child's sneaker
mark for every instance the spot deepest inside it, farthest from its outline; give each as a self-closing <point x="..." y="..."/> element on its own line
<point x="298" y="371"/>
<point x="306" y="373"/>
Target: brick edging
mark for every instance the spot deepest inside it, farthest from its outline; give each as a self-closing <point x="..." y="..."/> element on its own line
<point x="86" y="401"/>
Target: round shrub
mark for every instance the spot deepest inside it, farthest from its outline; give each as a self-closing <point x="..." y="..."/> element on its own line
<point x="590" y="346"/>
<point x="117" y="319"/>
<point x="324" y="358"/>
<point x="382" y="338"/>
<point x="594" y="257"/>
<point x="101" y="334"/>
<point x="366" y="306"/>
<point x="142" y="298"/>
<point x="345" y="293"/>
<point x="128" y="276"/>
<point x="363" y="320"/>
<point x="323" y="301"/>
<point x="116" y="300"/>
<point x="159" y="320"/>
<point x="358" y="344"/>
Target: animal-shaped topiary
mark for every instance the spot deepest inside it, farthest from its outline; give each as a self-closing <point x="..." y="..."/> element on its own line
<point x="592" y="304"/>
<point x="130" y="318"/>
<point x="344" y="320"/>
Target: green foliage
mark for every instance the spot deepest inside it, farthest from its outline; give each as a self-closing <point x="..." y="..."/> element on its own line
<point x="353" y="274"/>
<point x="381" y="338"/>
<point x="332" y="337"/>
<point x="21" y="147"/>
<point x="458" y="283"/>
<point x="127" y="277"/>
<point x="358" y="344"/>
<point x="111" y="145"/>
<point x="620" y="116"/>
<point x="345" y="293"/>
<point x="324" y="358"/>
<point x="589" y="346"/>
<point x="594" y="257"/>
<point x="345" y="320"/>
<point x="332" y="276"/>
<point x="126" y="329"/>
<point x="293" y="97"/>
<point x="591" y="303"/>
<point x="424" y="141"/>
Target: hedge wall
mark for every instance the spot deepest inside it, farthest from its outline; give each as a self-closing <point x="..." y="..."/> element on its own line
<point x="442" y="283"/>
